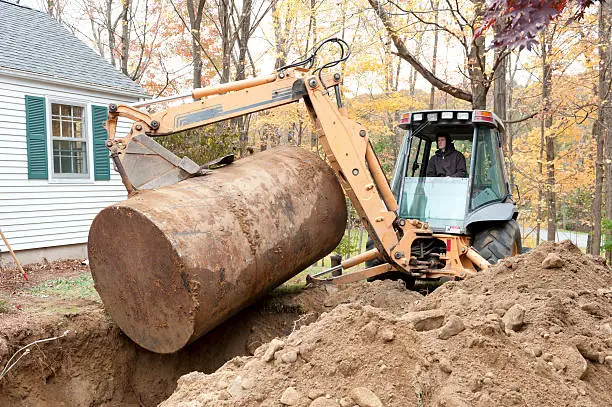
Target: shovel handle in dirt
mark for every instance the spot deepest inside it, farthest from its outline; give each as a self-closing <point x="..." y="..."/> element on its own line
<point x="14" y="256"/>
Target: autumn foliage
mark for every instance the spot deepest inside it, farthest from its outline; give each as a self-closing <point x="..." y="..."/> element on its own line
<point x="544" y="61"/>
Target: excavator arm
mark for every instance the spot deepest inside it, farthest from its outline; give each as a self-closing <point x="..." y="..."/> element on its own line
<point x="144" y="164"/>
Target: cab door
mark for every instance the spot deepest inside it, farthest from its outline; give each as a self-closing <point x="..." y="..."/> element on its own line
<point x="488" y="173"/>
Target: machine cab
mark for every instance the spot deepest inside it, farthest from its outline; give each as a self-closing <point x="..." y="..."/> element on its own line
<point x="451" y="204"/>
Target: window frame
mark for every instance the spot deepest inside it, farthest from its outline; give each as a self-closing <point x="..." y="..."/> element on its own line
<point x="495" y="144"/>
<point x="86" y="177"/>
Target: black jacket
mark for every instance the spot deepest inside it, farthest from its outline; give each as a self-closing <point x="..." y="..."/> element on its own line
<point x="450" y="163"/>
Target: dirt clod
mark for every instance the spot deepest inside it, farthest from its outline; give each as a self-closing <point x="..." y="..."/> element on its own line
<point x="552" y="261"/>
<point x="314" y="394"/>
<point x="365" y="397"/>
<point x="452" y="327"/>
<point x="445" y="365"/>
<point x="425" y="320"/>
<point x="287" y="356"/>
<point x="576" y="366"/>
<point x="272" y="348"/>
<point x="387" y="334"/>
<point x="513" y="318"/>
<point x="290" y="396"/>
<point x="325" y="402"/>
<point x="235" y="389"/>
<point x="346" y="402"/>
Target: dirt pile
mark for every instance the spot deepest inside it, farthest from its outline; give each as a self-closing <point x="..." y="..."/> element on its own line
<point x="534" y="330"/>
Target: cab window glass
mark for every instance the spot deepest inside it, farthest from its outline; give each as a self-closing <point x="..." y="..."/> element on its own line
<point x="488" y="181"/>
<point x="418" y="149"/>
<point x="463" y="146"/>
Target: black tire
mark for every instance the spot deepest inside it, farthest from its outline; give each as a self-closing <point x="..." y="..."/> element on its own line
<point x="498" y="240"/>
<point x="392" y="275"/>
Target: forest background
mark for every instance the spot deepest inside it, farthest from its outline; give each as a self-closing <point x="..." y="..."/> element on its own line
<point x="550" y="83"/>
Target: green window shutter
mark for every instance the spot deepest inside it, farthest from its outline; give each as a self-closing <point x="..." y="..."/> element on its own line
<point x="99" y="115"/>
<point x="36" y="136"/>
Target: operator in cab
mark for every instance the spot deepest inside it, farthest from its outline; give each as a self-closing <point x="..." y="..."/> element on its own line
<point x="447" y="162"/>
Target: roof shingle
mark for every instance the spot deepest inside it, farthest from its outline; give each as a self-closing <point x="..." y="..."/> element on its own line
<point x="31" y="41"/>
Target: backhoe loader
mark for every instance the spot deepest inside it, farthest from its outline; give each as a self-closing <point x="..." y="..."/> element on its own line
<point x="418" y="226"/>
<point x="478" y="205"/>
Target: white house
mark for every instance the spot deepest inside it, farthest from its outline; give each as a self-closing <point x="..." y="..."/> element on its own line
<point x="55" y="171"/>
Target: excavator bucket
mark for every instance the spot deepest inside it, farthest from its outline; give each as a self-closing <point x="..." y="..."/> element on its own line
<point x="149" y="165"/>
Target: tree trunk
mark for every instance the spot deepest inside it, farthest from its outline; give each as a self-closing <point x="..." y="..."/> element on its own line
<point x="96" y="31"/>
<point x="549" y="138"/>
<point x="243" y="40"/>
<point x="597" y="194"/>
<point x="282" y="36"/>
<point x="311" y="23"/>
<point x="476" y="65"/>
<point x="360" y="241"/>
<point x="412" y="80"/>
<point x="225" y="12"/>
<point x="434" y="62"/>
<point x="540" y="170"/>
<point x="111" y="31"/>
<point x="54" y="9"/>
<point x="500" y="86"/>
<point x="397" y="75"/>
<point x="510" y="126"/>
<point x="195" y="11"/>
<point x="125" y="35"/>
<point x="388" y="64"/>
<point x="244" y="29"/>
<point x="605" y="97"/>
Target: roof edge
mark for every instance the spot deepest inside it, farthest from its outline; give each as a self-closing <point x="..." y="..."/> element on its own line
<point x="46" y="78"/>
<point x="18" y="5"/>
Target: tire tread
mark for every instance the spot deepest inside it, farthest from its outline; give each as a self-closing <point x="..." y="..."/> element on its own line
<point x="498" y="240"/>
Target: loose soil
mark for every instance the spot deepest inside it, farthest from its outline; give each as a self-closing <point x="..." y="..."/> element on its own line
<point x="518" y="334"/>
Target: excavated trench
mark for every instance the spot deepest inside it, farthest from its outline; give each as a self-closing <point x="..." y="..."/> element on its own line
<point x="95" y="364"/>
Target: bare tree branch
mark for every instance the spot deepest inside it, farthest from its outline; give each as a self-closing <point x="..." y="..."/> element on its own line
<point x="403" y="53"/>
<point x="522" y="119"/>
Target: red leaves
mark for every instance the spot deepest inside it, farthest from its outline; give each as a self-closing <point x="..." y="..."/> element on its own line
<point x="520" y="21"/>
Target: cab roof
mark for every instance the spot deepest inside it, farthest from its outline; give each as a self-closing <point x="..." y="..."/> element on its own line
<point x="447" y="118"/>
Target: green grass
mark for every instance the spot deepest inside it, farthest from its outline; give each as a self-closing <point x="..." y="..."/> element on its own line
<point x="81" y="286"/>
<point x="419" y="399"/>
<point x="4" y="305"/>
<point x="287" y="289"/>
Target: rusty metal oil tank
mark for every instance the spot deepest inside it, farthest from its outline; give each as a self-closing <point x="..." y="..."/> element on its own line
<point x="173" y="263"/>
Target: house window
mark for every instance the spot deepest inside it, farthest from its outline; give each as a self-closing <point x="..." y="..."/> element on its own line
<point x="68" y="138"/>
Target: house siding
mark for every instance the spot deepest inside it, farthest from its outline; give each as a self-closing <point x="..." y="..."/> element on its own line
<point x="38" y="213"/>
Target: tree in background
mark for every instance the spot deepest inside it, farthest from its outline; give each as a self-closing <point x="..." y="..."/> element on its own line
<point x="557" y="126"/>
<point x="128" y="34"/>
<point x="460" y="24"/>
<point x="604" y="119"/>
